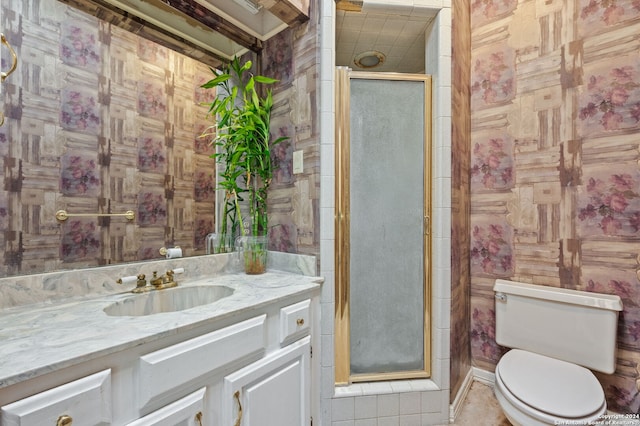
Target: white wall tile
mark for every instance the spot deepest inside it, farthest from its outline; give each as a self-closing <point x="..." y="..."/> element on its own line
<point x="389" y="421"/>
<point x="342" y="409"/>
<point x="400" y="386"/>
<point x="328" y="381"/>
<point x="443" y="318"/>
<point x="411" y="420"/>
<point x="431" y="401"/>
<point x="366" y="422"/>
<point x="327" y="222"/>
<point x="327" y="350"/>
<point x="410" y="403"/>
<point x="327" y="152"/>
<point x="326" y="319"/>
<point x="388" y="405"/>
<point x="327" y="249"/>
<point x="443" y="341"/>
<point x="366" y="407"/>
<point x="328" y="289"/>
<point x="328" y="192"/>
<point x="441" y="288"/>
<point x="443" y="135"/>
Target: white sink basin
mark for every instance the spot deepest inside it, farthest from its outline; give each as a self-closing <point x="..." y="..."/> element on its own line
<point x="168" y="300"/>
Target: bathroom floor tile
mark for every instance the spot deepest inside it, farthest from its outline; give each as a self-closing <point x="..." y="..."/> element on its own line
<point x="480" y="408"/>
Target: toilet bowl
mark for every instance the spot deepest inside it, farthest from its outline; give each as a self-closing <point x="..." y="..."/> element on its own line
<point x="557" y="336"/>
<point x="536" y="390"/>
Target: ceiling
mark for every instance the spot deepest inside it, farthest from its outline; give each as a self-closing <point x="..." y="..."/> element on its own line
<point x="215" y="31"/>
<point x="399" y="34"/>
<point x="210" y="31"/>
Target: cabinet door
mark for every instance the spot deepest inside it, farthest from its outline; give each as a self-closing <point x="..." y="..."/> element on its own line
<point x="85" y="402"/>
<point x="274" y="391"/>
<point x="187" y="411"/>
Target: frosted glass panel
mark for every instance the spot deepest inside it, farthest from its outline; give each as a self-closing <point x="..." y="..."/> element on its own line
<point x="386" y="231"/>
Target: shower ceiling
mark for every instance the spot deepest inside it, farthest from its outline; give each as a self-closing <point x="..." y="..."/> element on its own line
<point x="398" y="34"/>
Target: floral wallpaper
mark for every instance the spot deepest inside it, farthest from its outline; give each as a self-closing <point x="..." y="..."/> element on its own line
<point x="99" y="120"/>
<point x="491" y="247"/>
<point x="555" y="165"/>
<point x="79" y="175"/>
<point x="79" y="110"/>
<point x="79" y="46"/>
<point x="492" y="164"/>
<point x="492" y="76"/>
<point x="609" y="203"/>
<point x="610" y="99"/>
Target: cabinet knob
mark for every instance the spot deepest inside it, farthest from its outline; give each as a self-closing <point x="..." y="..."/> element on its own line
<point x="64" y="420"/>
<point x="300" y="321"/>
<point x="198" y="418"/>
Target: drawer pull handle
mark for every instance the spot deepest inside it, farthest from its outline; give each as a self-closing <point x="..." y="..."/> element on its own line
<point x="300" y="322"/>
<point x="64" y="420"/>
<point x="14" y="59"/>
<point x="237" y="398"/>
<point x="199" y="418"/>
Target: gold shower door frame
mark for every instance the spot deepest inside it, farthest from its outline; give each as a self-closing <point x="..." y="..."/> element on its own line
<point x="343" y="374"/>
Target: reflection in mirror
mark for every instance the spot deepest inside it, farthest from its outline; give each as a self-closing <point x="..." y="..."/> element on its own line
<point x="101" y="120"/>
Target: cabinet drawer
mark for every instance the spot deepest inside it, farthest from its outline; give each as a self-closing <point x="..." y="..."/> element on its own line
<point x="187" y="411"/>
<point x="164" y="370"/>
<point x="295" y="321"/>
<point x="86" y="401"/>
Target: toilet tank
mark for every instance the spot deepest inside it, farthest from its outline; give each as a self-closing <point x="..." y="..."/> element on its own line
<point x="571" y="325"/>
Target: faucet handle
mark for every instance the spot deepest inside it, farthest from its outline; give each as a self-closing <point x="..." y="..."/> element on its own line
<point x="172" y="272"/>
<point x="140" y="280"/>
<point x="126" y="280"/>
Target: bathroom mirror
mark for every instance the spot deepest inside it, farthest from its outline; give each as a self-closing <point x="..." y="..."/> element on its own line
<point x="104" y="116"/>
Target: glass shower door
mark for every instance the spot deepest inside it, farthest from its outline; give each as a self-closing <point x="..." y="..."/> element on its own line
<point x="383" y="227"/>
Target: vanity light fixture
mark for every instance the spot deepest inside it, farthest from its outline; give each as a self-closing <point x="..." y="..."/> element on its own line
<point x="250" y="5"/>
<point x="369" y="59"/>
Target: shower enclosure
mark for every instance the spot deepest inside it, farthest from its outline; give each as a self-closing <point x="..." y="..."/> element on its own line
<point x="383" y="210"/>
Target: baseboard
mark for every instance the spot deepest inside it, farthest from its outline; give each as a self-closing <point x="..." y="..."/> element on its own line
<point x="456" y="406"/>
<point x="483" y="376"/>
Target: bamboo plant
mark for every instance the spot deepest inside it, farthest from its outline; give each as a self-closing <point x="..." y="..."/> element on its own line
<point x="243" y="141"/>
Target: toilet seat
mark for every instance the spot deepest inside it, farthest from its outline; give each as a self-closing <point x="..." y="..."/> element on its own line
<point x="549" y="389"/>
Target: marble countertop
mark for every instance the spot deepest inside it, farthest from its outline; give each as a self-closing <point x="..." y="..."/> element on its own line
<point x="37" y="339"/>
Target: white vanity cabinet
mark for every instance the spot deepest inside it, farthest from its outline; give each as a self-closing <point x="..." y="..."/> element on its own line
<point x="248" y="369"/>
<point x="256" y="372"/>
<point x="86" y="401"/>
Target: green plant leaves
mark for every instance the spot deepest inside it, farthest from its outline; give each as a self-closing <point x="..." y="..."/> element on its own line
<point x="243" y="140"/>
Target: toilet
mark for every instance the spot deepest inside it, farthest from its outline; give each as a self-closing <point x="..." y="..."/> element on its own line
<point x="557" y="336"/>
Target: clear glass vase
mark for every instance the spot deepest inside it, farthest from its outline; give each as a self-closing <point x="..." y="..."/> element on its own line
<point x="253" y="252"/>
<point x="217" y="243"/>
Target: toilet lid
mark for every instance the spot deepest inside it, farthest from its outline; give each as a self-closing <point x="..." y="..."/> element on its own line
<point x="556" y="387"/>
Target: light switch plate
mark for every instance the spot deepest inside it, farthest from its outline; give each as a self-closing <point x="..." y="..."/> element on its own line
<point x="298" y="162"/>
